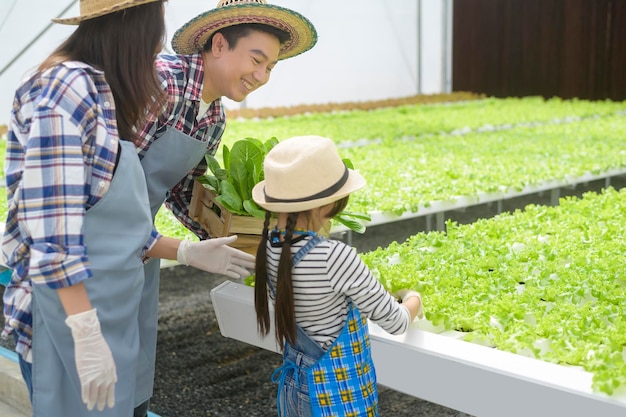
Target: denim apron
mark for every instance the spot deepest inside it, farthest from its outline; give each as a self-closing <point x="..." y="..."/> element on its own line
<point x="168" y="160"/>
<point x="338" y="382"/>
<point x="116" y="229"/>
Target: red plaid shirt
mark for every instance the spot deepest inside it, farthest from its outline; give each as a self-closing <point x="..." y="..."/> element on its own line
<point x="182" y="77"/>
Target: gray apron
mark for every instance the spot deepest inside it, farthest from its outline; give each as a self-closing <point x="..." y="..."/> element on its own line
<point x="168" y="160"/>
<point x="116" y="230"/>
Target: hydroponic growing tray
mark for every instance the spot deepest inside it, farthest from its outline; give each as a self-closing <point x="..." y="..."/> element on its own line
<point x="438" y="208"/>
<point x="471" y="378"/>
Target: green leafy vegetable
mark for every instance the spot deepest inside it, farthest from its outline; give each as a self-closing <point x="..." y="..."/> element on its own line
<point x="243" y="169"/>
<point x="546" y="282"/>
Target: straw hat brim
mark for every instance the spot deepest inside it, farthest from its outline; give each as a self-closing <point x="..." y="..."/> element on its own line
<point x="191" y="37"/>
<point x="354" y="183"/>
<point x="103" y="11"/>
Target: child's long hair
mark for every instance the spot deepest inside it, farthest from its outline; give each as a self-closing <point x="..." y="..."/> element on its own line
<point x="284" y="311"/>
<point x="124" y="46"/>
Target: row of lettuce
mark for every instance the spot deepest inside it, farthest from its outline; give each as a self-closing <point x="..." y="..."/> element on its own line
<point x="423" y="119"/>
<point x="547" y="282"/>
<point x="414" y="155"/>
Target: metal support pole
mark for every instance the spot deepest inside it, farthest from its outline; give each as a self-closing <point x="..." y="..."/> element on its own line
<point x="555" y="194"/>
<point x="440" y="221"/>
<point x="349" y="237"/>
<point x="447" y="45"/>
<point x="419" y="46"/>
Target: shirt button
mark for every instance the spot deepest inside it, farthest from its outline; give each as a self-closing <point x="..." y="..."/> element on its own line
<point x="102" y="184"/>
<point x="107" y="104"/>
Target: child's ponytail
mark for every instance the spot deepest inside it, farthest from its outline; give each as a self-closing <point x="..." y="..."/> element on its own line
<point x="285" y="312"/>
<point x="260" y="281"/>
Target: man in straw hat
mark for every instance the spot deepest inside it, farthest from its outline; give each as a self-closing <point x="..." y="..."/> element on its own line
<point x="228" y="51"/>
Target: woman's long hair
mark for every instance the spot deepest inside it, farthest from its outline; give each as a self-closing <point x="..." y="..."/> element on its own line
<point x="124" y="46"/>
<point x="284" y="310"/>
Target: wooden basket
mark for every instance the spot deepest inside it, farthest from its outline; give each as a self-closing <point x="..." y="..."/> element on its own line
<point x="219" y="222"/>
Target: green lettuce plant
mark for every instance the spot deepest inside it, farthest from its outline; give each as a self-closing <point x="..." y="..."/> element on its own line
<point x="391" y="123"/>
<point x="242" y="170"/>
<point x="546" y="282"/>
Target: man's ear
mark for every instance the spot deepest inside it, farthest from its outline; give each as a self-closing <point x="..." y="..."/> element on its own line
<point x="219" y="45"/>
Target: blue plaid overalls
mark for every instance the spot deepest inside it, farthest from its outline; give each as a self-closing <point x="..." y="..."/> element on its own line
<point x="338" y="382"/>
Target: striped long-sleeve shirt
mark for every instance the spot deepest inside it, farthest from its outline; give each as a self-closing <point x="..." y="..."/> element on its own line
<point x="323" y="281"/>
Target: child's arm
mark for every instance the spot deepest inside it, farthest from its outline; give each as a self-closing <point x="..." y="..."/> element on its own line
<point x="413" y="301"/>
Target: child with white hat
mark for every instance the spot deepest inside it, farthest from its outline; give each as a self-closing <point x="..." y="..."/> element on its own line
<point x="323" y="293"/>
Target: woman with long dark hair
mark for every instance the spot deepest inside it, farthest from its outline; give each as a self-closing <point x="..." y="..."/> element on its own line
<point x="79" y="227"/>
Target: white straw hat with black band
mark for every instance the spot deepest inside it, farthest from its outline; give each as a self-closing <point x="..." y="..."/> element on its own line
<point x="193" y="35"/>
<point x="302" y="173"/>
<point x="90" y="9"/>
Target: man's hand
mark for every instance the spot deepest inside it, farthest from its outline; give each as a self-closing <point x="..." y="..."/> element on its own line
<point x="213" y="255"/>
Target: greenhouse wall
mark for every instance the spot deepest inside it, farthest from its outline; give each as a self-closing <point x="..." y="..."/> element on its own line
<point x="562" y="48"/>
<point x="367" y="49"/>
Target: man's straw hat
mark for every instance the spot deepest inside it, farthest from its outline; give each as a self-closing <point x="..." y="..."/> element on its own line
<point x="192" y="36"/>
<point x="96" y="8"/>
<point x="303" y="173"/>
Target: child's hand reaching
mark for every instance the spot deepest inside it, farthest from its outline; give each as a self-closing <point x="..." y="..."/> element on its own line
<point x="413" y="301"/>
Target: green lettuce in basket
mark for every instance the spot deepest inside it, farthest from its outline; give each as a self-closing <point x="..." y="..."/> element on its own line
<point x="242" y="170"/>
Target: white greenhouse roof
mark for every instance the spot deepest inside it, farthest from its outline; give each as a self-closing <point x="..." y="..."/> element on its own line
<point x="367" y="49"/>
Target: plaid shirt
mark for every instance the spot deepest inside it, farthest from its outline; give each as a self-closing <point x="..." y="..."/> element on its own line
<point x="182" y="77"/>
<point x="60" y="158"/>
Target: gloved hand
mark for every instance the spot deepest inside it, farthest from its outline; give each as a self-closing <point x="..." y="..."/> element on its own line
<point x="405" y="294"/>
<point x="94" y="361"/>
<point x="213" y="255"/>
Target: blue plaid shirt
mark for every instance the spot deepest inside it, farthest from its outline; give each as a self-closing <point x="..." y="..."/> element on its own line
<point x="182" y="77"/>
<point x="60" y="158"/>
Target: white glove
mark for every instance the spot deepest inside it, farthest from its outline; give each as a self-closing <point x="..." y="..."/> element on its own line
<point x="213" y="255"/>
<point x="405" y="294"/>
<point x="94" y="361"/>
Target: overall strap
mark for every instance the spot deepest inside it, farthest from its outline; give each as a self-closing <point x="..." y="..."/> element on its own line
<point x="306" y="249"/>
<point x="298" y="256"/>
